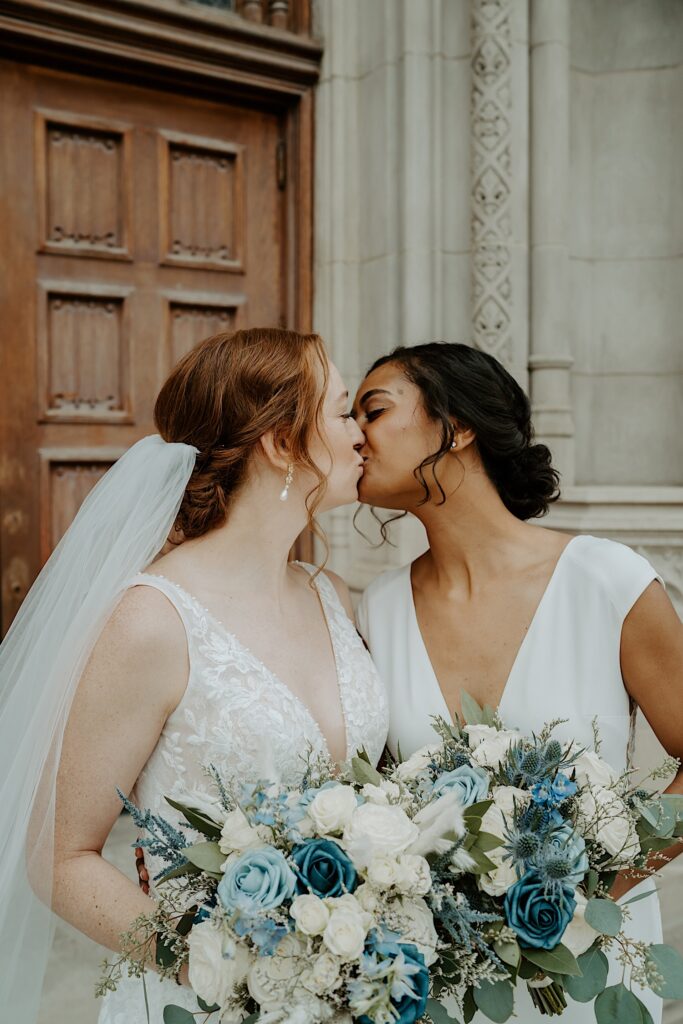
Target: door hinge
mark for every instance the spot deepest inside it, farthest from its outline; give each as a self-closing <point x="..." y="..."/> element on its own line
<point x="281" y="164"/>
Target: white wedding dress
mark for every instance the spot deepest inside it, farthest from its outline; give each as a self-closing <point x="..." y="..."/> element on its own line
<point x="567" y="667"/>
<point x="237" y="715"/>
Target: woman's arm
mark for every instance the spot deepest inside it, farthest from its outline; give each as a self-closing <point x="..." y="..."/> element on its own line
<point x="109" y="736"/>
<point x="652" y="667"/>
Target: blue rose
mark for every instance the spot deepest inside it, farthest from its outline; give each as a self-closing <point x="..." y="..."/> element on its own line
<point x="258" y="880"/>
<point x="409" y="982"/>
<point x="538" y="919"/>
<point x="323" y="868"/>
<point x="472" y="784"/>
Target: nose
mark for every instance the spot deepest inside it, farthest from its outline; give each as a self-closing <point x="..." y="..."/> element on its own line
<point x="358" y="436"/>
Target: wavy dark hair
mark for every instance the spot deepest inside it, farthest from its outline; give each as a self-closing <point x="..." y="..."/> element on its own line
<point x="461" y="383"/>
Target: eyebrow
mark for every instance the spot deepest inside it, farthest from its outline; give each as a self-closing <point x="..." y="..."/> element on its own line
<point x="370" y="394"/>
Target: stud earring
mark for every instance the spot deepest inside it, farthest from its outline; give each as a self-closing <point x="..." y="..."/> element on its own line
<point x="454" y="444"/>
<point x="284" y="494"/>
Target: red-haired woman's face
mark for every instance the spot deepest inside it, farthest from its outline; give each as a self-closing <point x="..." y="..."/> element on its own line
<point x="335" y="451"/>
<point x="399" y="435"/>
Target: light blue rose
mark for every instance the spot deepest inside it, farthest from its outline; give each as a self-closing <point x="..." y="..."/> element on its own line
<point x="538" y="919"/>
<point x="471" y="784"/>
<point x="258" y="880"/>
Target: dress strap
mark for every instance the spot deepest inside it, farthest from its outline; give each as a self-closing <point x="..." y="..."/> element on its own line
<point x="181" y="601"/>
<point x="326" y="589"/>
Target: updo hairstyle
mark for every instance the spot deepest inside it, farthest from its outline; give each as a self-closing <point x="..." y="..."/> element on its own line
<point x="464" y="384"/>
<point x="223" y="396"/>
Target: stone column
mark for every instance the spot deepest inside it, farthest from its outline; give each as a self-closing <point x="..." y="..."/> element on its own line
<point x="550" y="358"/>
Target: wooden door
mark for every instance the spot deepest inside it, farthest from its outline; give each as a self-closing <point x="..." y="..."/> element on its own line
<point x="135" y="222"/>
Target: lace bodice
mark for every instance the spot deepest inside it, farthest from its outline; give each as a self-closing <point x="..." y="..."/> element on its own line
<point x="237" y="715"/>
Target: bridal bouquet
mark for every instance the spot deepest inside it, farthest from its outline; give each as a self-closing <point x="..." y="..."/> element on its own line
<point x="293" y="904"/>
<point x="520" y="888"/>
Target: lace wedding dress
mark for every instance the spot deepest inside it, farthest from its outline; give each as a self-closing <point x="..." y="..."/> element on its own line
<point x="237" y="715"/>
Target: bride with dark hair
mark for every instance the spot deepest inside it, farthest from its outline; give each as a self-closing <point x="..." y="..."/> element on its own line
<point x="122" y="673"/>
<point x="536" y="623"/>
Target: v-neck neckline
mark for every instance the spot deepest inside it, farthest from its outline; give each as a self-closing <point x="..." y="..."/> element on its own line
<point x="269" y="673"/>
<point x="521" y="649"/>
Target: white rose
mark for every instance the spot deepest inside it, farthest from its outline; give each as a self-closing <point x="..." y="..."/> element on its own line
<point x="414" y="876"/>
<point x="204" y="802"/>
<point x="310" y="914"/>
<point x="237" y="835"/>
<point x="324" y="974"/>
<point x="345" y="934"/>
<point x="440" y="817"/>
<point x="383" y="872"/>
<point x="417" y="926"/>
<point x="384" y="793"/>
<point x="331" y="809"/>
<point x="271" y="979"/>
<point x="367" y="898"/>
<point x="417" y="762"/>
<point x="489" y="745"/>
<point x="579" y="935"/>
<point x="506" y="798"/>
<point x="591" y="770"/>
<point x="349" y="902"/>
<point x="217" y="963"/>
<point x="497" y="883"/>
<point x="604" y="816"/>
<point x="375" y="830"/>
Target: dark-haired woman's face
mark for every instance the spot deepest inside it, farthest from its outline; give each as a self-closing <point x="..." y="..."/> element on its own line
<point x="398" y="437"/>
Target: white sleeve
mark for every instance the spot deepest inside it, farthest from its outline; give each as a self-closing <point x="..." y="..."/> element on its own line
<point x="627" y="575"/>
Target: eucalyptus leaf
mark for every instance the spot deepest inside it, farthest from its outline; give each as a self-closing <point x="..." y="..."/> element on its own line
<point x="438" y="1012"/>
<point x="509" y="952"/>
<point x="669" y="963"/>
<point x="163" y="956"/>
<point x="197" y="819"/>
<point x="177" y="1015"/>
<point x="489" y="716"/>
<point x="592" y="880"/>
<point x="205" y="856"/>
<point x="363" y="772"/>
<point x="604" y="916"/>
<point x="474" y="813"/>
<point x="205" y="1006"/>
<point x="495" y="999"/>
<point x="640" y="896"/>
<point x="593" y="978"/>
<point x="179" y="872"/>
<point x="486" y="841"/>
<point x="469" y="1007"/>
<point x="558" y="959"/>
<point x="482" y="863"/>
<point x="616" y="1005"/>
<point x="471" y="711"/>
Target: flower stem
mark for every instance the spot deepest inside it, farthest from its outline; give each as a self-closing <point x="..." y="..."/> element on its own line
<point x="549" y="1000"/>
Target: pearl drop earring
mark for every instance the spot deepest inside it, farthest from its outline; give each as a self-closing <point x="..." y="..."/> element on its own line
<point x="284" y="494"/>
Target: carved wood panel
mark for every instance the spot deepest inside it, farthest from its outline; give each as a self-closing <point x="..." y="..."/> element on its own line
<point x="193" y="317"/>
<point x="66" y="478"/>
<point x="202" y="202"/>
<point x="83" y="353"/>
<point x="82" y="177"/>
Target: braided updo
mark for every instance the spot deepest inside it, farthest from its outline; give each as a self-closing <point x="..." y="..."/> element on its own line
<point x="224" y="395"/>
<point x="467" y="385"/>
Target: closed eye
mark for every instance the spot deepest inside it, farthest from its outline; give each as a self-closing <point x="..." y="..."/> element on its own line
<point x="370" y="416"/>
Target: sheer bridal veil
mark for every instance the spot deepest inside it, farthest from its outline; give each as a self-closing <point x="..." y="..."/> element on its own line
<point x="121" y="526"/>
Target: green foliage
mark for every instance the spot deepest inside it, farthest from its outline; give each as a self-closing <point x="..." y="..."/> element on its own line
<point x="669" y="964"/>
<point x="617" y="1005"/>
<point x="593" y="978"/>
<point x="604" y="916"/>
<point x="558" y="960"/>
<point x="197" y="819"/>
<point x="206" y="856"/>
<point x="495" y="999"/>
<point x="363" y="772"/>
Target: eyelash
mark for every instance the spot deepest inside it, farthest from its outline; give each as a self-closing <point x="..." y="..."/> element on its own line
<point x="370" y="416"/>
